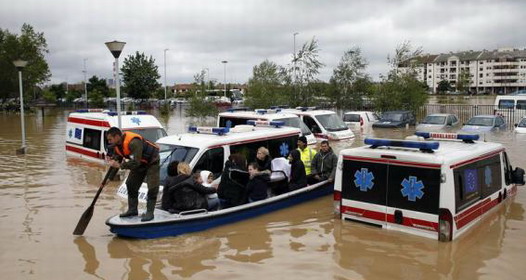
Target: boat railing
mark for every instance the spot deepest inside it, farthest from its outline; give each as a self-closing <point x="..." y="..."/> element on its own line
<point x="193" y="212"/>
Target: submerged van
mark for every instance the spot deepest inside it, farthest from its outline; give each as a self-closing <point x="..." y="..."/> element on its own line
<point x="437" y="189"/>
<point x="233" y="117"/>
<point x="511" y="107"/>
<point x="86" y="130"/>
<point x="208" y="148"/>
<point x="325" y="124"/>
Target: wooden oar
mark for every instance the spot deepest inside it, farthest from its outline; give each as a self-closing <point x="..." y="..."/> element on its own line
<point x="86" y="216"/>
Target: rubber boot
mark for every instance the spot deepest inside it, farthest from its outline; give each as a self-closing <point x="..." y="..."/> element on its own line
<point x="132" y="208"/>
<point x="150" y="207"/>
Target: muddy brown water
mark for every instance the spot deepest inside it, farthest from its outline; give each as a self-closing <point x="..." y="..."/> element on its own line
<point x="44" y="193"/>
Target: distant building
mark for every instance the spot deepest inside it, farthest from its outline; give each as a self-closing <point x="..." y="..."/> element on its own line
<point x="499" y="71"/>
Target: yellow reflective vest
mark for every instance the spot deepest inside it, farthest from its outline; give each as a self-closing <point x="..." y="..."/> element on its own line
<point x="307" y="155"/>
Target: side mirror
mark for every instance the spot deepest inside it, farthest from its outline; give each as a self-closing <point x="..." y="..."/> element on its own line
<point x="517" y="176"/>
<point x="516" y="124"/>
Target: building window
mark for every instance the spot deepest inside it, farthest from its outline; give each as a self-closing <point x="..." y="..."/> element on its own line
<point x="481" y="75"/>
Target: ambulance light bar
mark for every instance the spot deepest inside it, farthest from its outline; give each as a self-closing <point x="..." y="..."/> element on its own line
<point x="209" y="130"/>
<point x="468" y="138"/>
<point x="90" y="110"/>
<point x="124" y="113"/>
<point x="306" y="108"/>
<point x="267" y="111"/>
<point x="426" y="146"/>
<point x="266" y="123"/>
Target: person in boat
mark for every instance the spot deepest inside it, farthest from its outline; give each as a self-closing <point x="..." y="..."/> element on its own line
<point x="298" y="178"/>
<point x="257" y="184"/>
<point x="307" y="153"/>
<point x="176" y="174"/>
<point x="190" y="194"/>
<point x="323" y="164"/>
<point x="264" y="160"/>
<point x="207" y="180"/>
<point x="142" y="159"/>
<point x="232" y="193"/>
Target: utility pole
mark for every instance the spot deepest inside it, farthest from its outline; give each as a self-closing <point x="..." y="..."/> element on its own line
<point x="85" y="83"/>
<point x="294" y="62"/>
<point x="224" y="62"/>
<point x="165" y="85"/>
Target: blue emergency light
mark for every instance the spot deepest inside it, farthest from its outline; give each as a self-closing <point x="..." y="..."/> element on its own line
<point x="89" y="111"/>
<point x="261" y="111"/>
<point x="468" y="138"/>
<point x="209" y="130"/>
<point x="426" y="146"/>
<point x="266" y="123"/>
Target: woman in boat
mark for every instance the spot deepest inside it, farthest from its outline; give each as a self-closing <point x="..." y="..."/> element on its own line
<point x="264" y="160"/>
<point x="175" y="176"/>
<point x="189" y="194"/>
<point x="231" y="192"/>
<point x="207" y="180"/>
<point x="258" y="184"/>
<point x="298" y="178"/>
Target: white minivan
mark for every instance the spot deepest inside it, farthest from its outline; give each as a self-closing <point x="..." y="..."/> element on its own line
<point x="325" y="124"/>
<point x="511" y="107"/>
<point x="359" y="119"/>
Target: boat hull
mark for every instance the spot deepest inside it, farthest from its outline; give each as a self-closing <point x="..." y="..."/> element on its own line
<point x="166" y="224"/>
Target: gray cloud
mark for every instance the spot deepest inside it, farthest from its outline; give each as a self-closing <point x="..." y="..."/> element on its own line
<point x="201" y="33"/>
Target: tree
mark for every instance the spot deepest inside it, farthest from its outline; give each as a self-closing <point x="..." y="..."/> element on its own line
<point x="98" y="84"/>
<point x="305" y="67"/>
<point x="398" y="90"/>
<point x="267" y="86"/>
<point x="443" y="87"/>
<point x="140" y="75"/>
<point x="96" y="99"/>
<point x="30" y="46"/>
<point x="404" y="53"/>
<point x="59" y="90"/>
<point x="350" y="80"/>
<point x="200" y="107"/>
<point x="464" y="78"/>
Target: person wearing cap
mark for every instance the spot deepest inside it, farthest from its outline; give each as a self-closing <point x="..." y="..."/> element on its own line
<point x="307" y="153"/>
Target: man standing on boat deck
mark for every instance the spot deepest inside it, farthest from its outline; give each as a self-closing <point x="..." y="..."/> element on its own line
<point x="323" y="164"/>
<point x="142" y="159"/>
<point x="307" y="154"/>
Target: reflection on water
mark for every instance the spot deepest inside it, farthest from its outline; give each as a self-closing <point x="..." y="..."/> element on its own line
<point x="43" y="194"/>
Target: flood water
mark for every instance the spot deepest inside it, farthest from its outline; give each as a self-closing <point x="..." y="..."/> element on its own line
<point x="44" y="193"/>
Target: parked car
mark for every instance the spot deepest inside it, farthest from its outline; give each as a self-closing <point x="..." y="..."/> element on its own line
<point x="438" y="122"/>
<point x="392" y="119"/>
<point x="521" y="126"/>
<point x="359" y="119"/>
<point x="484" y="123"/>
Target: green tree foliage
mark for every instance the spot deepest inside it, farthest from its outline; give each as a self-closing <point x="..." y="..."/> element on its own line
<point x="267" y="86"/>
<point x="140" y="75"/>
<point x="464" y="78"/>
<point x="200" y="107"/>
<point x="96" y="99"/>
<point x="73" y="94"/>
<point x="30" y="46"/>
<point x="443" y="87"/>
<point x="400" y="91"/>
<point x="59" y="90"/>
<point x="98" y="84"/>
<point x="305" y="67"/>
<point x="49" y="96"/>
<point x="350" y="83"/>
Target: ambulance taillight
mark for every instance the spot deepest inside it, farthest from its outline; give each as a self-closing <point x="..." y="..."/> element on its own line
<point x="337" y="201"/>
<point x="445" y="225"/>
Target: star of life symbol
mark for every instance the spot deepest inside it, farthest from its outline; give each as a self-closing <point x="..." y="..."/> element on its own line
<point x="136" y="120"/>
<point x="412" y="188"/>
<point x="284" y="149"/>
<point x="364" y="179"/>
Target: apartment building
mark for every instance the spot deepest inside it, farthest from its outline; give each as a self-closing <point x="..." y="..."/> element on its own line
<point x="499" y="71"/>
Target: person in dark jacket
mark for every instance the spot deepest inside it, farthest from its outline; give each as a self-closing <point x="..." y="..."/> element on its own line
<point x="190" y="195"/>
<point x="232" y="193"/>
<point x="323" y="164"/>
<point x="298" y="178"/>
<point x="258" y="184"/>
<point x="171" y="180"/>
<point x="264" y="160"/>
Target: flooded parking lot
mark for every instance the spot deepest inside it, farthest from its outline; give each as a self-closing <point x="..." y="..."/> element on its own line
<point x="44" y="193"/>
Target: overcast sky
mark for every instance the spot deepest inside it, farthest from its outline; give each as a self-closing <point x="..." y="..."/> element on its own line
<point x="200" y="34"/>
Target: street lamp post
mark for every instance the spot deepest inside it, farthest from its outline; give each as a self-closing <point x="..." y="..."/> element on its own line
<point x="224" y="62"/>
<point x="20" y="64"/>
<point x="294" y="56"/>
<point x="115" y="48"/>
<point x="208" y="77"/>
<point x="85" y="83"/>
<point x="165" y="85"/>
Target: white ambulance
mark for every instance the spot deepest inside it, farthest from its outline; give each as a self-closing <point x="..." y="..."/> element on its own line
<point x="233" y="117"/>
<point x="208" y="148"/>
<point x="435" y="189"/>
<point x="325" y="124"/>
<point x="86" y="130"/>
